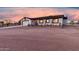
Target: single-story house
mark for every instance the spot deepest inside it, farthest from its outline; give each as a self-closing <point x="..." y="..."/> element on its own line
<point x="58" y="20"/>
<point x="4" y="22"/>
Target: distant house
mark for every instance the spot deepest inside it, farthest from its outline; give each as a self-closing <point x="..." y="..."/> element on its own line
<point x="76" y="22"/>
<point x="1" y="23"/>
<point x="4" y="23"/>
<point x="58" y="20"/>
<point x="72" y="22"/>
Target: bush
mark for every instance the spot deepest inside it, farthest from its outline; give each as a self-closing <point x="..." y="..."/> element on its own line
<point x="72" y="23"/>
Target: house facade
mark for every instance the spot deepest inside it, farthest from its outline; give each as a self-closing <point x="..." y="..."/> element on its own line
<point x="58" y="20"/>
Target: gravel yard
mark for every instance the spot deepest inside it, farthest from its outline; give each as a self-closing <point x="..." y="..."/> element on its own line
<point x="39" y="39"/>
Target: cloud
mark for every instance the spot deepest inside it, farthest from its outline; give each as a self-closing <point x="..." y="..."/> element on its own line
<point x="16" y="14"/>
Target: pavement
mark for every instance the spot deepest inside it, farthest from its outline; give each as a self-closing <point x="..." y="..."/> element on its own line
<point x="39" y="39"/>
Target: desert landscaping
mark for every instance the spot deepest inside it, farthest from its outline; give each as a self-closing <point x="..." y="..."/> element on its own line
<point x="39" y="39"/>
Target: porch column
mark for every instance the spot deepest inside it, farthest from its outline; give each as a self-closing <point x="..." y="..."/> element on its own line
<point x="43" y="22"/>
<point x="61" y="22"/>
<point x="51" y="21"/>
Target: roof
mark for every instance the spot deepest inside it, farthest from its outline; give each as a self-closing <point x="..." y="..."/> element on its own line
<point x="47" y="17"/>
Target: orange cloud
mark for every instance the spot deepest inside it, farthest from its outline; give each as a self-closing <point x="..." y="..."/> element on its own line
<point x="34" y="12"/>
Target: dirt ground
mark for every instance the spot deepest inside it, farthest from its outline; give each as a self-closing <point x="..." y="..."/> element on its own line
<point x="39" y="39"/>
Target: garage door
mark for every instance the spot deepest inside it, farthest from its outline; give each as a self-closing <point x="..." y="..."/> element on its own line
<point x="25" y="23"/>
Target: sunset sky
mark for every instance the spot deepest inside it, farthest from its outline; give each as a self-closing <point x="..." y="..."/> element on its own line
<point x="16" y="14"/>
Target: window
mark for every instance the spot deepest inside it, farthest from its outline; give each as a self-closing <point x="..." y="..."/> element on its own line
<point x="41" y="21"/>
<point x="55" y="20"/>
<point x="47" y="21"/>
